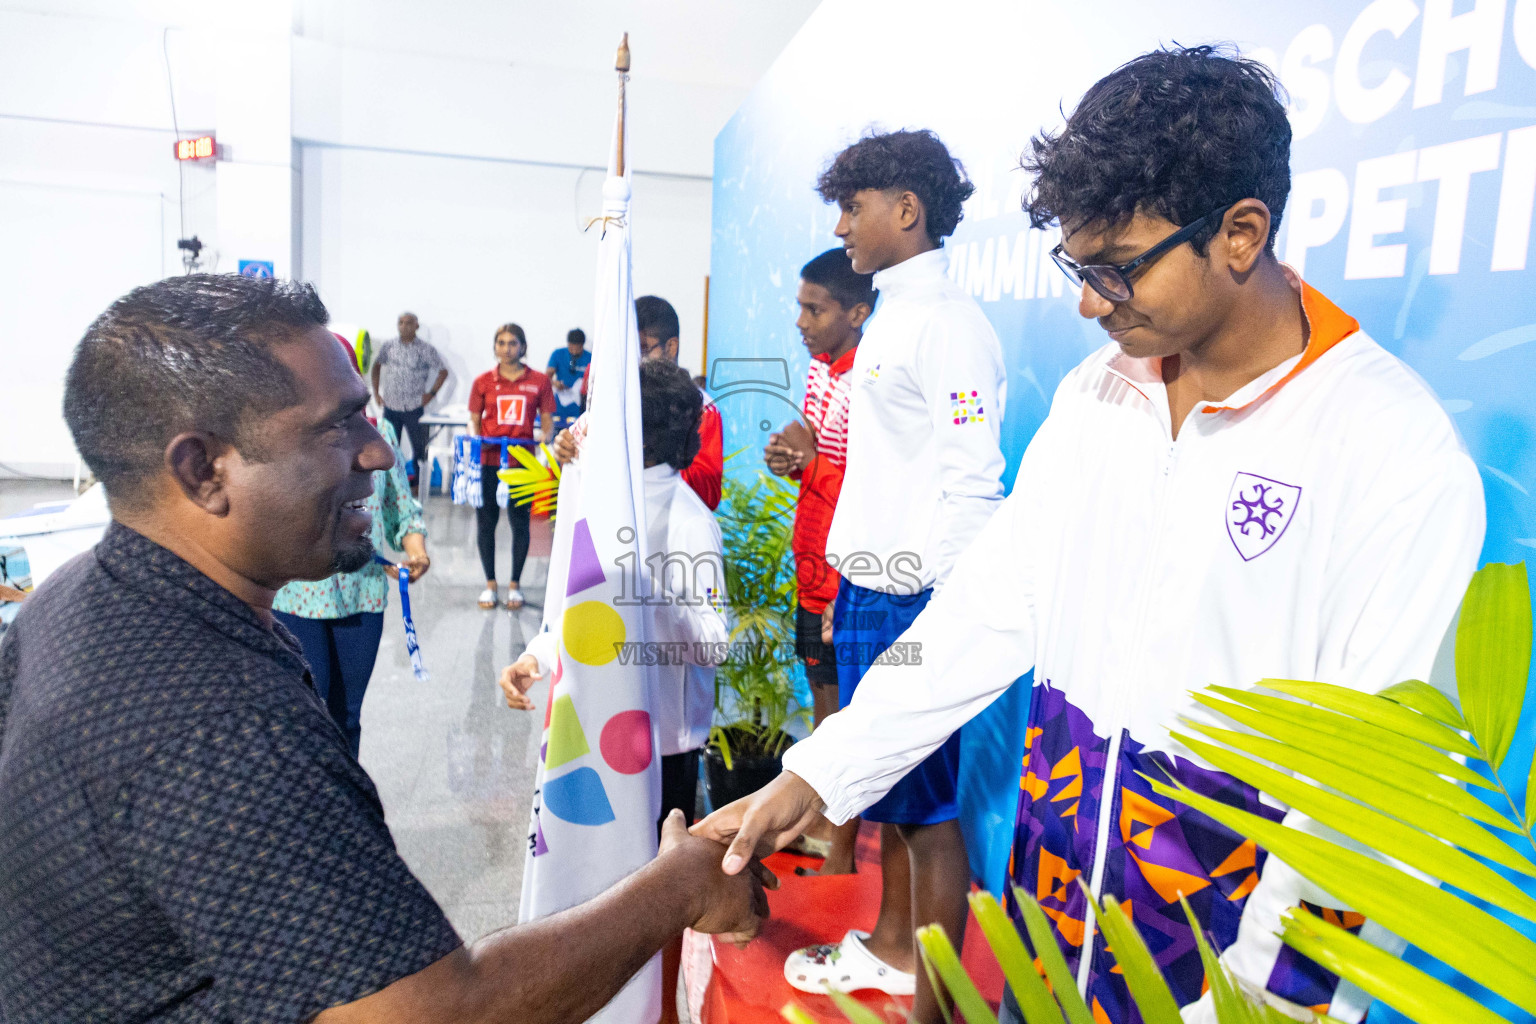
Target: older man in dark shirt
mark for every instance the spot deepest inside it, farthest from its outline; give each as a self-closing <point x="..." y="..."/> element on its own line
<point x="184" y="834"/>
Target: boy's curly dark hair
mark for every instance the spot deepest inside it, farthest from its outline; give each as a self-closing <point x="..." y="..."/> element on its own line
<point x="670" y="409"/>
<point x="1175" y="132"/>
<point x="913" y="161"/>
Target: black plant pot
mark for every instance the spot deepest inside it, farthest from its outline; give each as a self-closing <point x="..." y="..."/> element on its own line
<point x="746" y="775"/>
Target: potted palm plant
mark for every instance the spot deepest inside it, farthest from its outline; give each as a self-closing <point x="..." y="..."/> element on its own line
<point x="754" y="688"/>
<point x="1411" y="775"/>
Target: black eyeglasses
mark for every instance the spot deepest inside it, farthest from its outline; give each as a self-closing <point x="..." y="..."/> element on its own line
<point x="1114" y="281"/>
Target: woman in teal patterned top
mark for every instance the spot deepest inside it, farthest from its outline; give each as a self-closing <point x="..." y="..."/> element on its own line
<point x="338" y="621"/>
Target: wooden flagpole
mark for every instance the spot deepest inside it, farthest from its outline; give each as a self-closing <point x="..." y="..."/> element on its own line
<point x="621" y="65"/>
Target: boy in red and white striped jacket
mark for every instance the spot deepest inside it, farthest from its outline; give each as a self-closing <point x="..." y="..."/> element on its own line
<point x="834" y="303"/>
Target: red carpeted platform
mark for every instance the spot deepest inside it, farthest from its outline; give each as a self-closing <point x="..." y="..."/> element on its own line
<point x="748" y="986"/>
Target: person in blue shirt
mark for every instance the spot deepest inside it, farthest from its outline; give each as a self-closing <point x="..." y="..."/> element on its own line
<point x="566" y="371"/>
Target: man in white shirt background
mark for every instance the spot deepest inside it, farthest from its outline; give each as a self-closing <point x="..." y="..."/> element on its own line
<point x="1240" y="485"/>
<point x="923" y="476"/>
<point x="408" y="372"/>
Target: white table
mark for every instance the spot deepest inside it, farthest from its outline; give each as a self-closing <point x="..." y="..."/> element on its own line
<point x="53" y="533"/>
<point x="434" y="422"/>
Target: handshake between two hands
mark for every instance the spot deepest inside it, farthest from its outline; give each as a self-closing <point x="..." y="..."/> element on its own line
<point x="749" y="830"/>
<point x="733" y="903"/>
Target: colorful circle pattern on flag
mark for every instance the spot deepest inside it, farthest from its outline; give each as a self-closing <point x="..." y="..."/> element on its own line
<point x="591" y="633"/>
<point x="626" y="742"/>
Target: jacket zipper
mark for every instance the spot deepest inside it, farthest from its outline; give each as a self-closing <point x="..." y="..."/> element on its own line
<point x="1110" y="792"/>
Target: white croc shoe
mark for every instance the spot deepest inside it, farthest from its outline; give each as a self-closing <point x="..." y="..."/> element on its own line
<point x="847" y="966"/>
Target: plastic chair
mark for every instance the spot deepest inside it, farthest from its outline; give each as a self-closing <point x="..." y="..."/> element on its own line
<point x="440" y="457"/>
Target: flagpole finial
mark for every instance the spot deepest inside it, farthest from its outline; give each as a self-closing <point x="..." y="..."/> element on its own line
<point x="621" y="65"/>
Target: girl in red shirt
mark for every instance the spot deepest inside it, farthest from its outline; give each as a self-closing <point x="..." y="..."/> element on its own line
<point x="502" y="404"/>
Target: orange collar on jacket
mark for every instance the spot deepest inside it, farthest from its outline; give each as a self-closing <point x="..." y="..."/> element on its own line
<point x="1327" y="325"/>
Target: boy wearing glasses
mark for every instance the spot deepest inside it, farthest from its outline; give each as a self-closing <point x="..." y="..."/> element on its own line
<point x="1242" y="485"/>
<point x="923" y="475"/>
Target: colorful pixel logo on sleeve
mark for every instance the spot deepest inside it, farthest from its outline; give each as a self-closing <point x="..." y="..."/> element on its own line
<point x="965" y="407"/>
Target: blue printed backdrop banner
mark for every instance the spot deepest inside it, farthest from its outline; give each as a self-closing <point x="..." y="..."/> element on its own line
<point x="1414" y="167"/>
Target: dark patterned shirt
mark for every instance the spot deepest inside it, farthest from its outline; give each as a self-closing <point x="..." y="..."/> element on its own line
<point x="183" y="834"/>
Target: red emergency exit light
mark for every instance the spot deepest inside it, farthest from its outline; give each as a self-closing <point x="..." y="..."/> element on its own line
<point x="200" y="148"/>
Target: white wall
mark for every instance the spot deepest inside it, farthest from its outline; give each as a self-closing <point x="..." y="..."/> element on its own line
<point x="420" y="103"/>
<point x="116" y="237"/>
<point x="470" y="244"/>
<point x="88" y="195"/>
<point x="450" y="177"/>
<point x="398" y="154"/>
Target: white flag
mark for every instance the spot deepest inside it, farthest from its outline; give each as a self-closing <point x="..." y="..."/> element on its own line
<point x="599" y="779"/>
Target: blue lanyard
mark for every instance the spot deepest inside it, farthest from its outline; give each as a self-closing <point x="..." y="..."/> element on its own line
<point x="411" y="646"/>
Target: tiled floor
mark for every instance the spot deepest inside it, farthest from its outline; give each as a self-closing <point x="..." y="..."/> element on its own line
<point x="453" y="765"/>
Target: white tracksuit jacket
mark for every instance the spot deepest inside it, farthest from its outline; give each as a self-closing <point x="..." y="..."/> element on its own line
<point x="1321" y="523"/>
<point x="926" y="404"/>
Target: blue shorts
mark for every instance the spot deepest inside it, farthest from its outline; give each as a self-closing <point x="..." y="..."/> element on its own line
<point x="865" y="624"/>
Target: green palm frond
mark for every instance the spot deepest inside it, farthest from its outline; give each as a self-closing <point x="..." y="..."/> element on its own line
<point x="1233" y="1006"/>
<point x="945" y="972"/>
<point x="755" y="686"/>
<point x="1493" y="657"/>
<point x="1442" y="924"/>
<point x="1019" y="970"/>
<point x="1142" y="977"/>
<point x="1388" y="773"/>
<point x="1063" y="985"/>
<point x="1044" y="988"/>
<point x="1410" y="990"/>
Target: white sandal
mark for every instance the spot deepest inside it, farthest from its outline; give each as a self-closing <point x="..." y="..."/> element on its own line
<point x="847" y="966"/>
<point x="514" y="599"/>
<point x="487" y="598"/>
